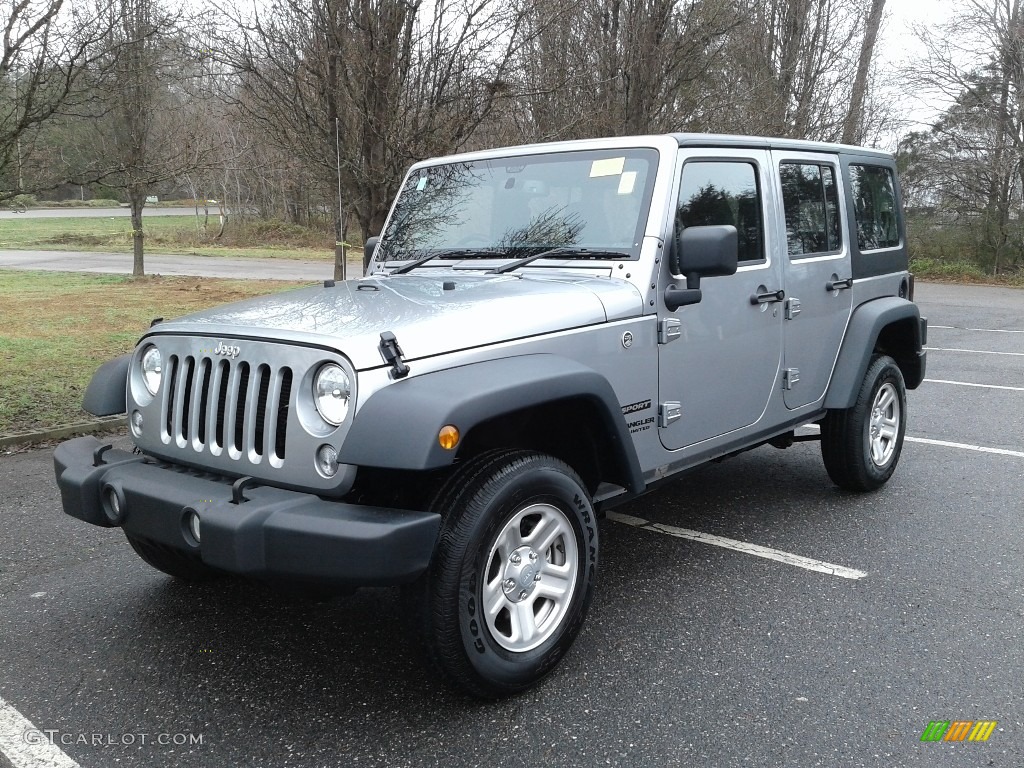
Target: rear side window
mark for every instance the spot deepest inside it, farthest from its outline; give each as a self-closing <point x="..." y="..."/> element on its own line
<point x="714" y="193"/>
<point x="811" y="203"/>
<point x="874" y="205"/>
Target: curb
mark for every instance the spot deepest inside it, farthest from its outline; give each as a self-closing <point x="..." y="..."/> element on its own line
<point x="57" y="433"/>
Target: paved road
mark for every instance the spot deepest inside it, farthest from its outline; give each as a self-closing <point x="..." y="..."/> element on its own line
<point x="692" y="654"/>
<point x="93" y="213"/>
<point x="173" y="264"/>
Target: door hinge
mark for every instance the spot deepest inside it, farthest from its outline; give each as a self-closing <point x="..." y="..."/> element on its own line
<point x="792" y="308"/>
<point x="669" y="329"/>
<point x="669" y="412"/>
<point x="790" y="377"/>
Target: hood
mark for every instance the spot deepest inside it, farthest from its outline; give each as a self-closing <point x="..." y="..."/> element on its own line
<point x="430" y="314"/>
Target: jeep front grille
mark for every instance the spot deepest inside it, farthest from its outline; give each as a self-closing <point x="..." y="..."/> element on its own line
<point x="219" y="406"/>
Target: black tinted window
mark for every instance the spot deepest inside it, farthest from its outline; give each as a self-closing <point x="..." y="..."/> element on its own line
<point x="874" y="207"/>
<point x="723" y="193"/>
<point x="811" y="203"/>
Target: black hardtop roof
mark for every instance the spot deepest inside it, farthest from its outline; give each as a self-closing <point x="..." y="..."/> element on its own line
<point x="764" y="142"/>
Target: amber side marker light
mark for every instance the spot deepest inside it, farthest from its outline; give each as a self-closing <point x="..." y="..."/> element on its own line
<point x="448" y="437"/>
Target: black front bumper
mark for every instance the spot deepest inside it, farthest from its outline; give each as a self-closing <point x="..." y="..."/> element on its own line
<point x="271" y="533"/>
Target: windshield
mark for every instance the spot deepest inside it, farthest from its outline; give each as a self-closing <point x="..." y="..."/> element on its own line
<point x="586" y="204"/>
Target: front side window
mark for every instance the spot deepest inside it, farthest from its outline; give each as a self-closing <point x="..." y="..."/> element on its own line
<point x="590" y="204"/>
<point x="714" y="193"/>
<point x="874" y="205"/>
<point x="811" y="204"/>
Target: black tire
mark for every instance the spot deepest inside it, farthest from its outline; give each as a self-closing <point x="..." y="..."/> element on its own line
<point x="861" y="445"/>
<point x="496" y="509"/>
<point x="172" y="562"/>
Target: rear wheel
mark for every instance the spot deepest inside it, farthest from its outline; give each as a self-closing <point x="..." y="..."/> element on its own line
<point x="513" y="573"/>
<point x="861" y="445"/>
<point x="172" y="562"/>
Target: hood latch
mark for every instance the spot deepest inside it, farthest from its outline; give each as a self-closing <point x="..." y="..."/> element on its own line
<point x="392" y="354"/>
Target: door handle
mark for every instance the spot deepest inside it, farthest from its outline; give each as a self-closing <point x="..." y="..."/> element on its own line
<point x="838" y="285"/>
<point x="764" y="296"/>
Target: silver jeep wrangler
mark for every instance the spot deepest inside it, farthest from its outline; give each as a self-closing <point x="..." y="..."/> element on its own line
<point x="542" y="332"/>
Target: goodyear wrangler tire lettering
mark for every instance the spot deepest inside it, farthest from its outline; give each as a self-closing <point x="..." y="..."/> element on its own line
<point x="513" y="574"/>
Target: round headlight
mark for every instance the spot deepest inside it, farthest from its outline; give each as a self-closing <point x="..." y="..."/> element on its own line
<point x="152" y="369"/>
<point x="331" y="392"/>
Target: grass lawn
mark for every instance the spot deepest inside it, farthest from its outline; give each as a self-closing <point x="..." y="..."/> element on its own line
<point x="57" y="328"/>
<point x="171" y="234"/>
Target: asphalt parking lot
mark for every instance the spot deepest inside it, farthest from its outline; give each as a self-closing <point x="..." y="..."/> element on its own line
<point x="693" y="654"/>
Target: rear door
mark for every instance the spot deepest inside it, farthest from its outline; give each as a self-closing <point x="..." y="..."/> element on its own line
<point x="818" y="272"/>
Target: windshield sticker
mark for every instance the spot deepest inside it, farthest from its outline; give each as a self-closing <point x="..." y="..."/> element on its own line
<point x="627" y="183"/>
<point x="422" y="184"/>
<point x="609" y="167"/>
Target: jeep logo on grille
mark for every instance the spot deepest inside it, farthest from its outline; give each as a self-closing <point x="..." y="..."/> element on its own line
<point x="227" y="350"/>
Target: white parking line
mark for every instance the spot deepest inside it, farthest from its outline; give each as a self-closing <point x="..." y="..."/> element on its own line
<point x="739" y="546"/>
<point x="25" y="746"/>
<point x="974" y="351"/>
<point x="969" y="384"/>
<point x="812" y="429"/>
<point x="966" y="447"/>
<point x="979" y="330"/>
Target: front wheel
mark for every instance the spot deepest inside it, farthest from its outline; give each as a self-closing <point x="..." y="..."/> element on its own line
<point x="513" y="573"/>
<point x="861" y="445"/>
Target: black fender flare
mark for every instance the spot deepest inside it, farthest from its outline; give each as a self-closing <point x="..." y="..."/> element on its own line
<point x="397" y="426"/>
<point x="107" y="393"/>
<point x="866" y="326"/>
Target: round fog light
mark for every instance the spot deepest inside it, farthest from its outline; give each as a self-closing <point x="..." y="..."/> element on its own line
<point x="113" y="505"/>
<point x="327" y="460"/>
<point x="192" y="521"/>
<point x="136" y="423"/>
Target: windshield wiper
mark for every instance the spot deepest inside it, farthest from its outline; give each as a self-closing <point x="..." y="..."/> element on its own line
<point x="465" y="253"/>
<point x="562" y="251"/>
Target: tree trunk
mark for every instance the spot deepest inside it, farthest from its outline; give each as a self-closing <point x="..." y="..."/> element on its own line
<point x="852" y="124"/>
<point x="137" y="199"/>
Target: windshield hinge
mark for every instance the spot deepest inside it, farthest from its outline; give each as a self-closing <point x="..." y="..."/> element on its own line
<point x="392" y="354"/>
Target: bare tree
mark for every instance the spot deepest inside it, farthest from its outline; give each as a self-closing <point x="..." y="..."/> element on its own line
<point x="788" y="68"/>
<point x="143" y="128"/>
<point x="45" y="51"/>
<point x="852" y="132"/>
<point x="976" y="60"/>
<point x="370" y="86"/>
<point x="613" y="67"/>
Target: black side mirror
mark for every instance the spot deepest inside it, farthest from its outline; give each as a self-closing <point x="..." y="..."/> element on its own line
<point x="707" y="251"/>
<point x="368" y="248"/>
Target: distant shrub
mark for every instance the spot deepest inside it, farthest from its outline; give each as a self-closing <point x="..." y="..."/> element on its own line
<point x="99" y="203"/>
<point x="959" y="271"/>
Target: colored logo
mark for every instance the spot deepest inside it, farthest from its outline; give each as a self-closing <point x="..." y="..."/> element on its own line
<point x="959" y="730"/>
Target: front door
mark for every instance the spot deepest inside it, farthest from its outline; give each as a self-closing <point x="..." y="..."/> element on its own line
<point x="723" y="365"/>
